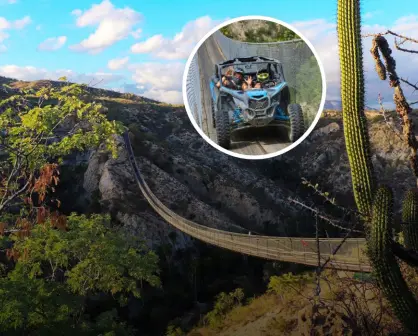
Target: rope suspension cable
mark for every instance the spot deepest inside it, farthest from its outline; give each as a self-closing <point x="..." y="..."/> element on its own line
<point x="227" y="239"/>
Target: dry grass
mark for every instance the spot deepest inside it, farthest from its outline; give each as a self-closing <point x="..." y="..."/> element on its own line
<point x="121" y="100"/>
<point x="349" y="308"/>
<point x="249" y="313"/>
<point x="242" y="315"/>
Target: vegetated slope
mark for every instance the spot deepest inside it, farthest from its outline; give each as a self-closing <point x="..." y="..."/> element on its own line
<point x="203" y="184"/>
<point x="258" y="31"/>
<point x="349" y="306"/>
<point x="186" y="173"/>
<point x="212" y="188"/>
<point x="322" y="157"/>
<point x="13" y="86"/>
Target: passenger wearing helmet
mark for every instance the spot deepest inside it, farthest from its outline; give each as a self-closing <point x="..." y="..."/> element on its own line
<point x="234" y="81"/>
<point x="262" y="77"/>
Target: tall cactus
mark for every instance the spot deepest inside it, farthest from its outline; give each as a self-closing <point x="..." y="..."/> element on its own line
<point x="385" y="266"/>
<point x="410" y="219"/>
<point x="376" y="207"/>
<point x="352" y="94"/>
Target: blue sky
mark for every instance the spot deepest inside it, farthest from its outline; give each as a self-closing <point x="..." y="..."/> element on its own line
<point x="131" y="42"/>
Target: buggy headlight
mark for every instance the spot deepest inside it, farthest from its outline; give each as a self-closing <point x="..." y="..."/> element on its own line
<point x="249" y="114"/>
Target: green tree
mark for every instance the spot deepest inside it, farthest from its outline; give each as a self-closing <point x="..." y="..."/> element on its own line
<point x="267" y="32"/>
<point x="288" y="283"/>
<point x="38" y="128"/>
<point x="224" y="303"/>
<point x="174" y="331"/>
<point x="60" y="265"/>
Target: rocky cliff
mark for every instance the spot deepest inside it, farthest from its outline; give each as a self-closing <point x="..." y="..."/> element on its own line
<point x="216" y="190"/>
<point x="202" y="184"/>
<point x="188" y="175"/>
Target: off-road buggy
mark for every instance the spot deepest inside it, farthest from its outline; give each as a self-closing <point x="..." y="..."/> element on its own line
<point x="234" y="109"/>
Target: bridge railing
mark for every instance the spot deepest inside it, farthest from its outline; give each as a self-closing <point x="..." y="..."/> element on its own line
<point x="350" y="255"/>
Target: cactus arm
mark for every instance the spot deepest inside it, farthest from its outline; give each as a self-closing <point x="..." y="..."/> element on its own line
<point x="407" y="255"/>
<point x="410" y="219"/>
<point x="352" y="96"/>
<point x="384" y="262"/>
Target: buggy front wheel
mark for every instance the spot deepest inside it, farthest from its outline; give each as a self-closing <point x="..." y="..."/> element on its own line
<point x="213" y="114"/>
<point x="223" y="131"/>
<point x="297" y="124"/>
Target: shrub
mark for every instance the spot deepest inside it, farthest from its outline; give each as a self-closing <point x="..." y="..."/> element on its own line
<point x="288" y="283"/>
<point x="223" y="305"/>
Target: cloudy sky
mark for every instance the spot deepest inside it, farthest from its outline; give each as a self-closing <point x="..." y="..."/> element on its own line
<point x="142" y="46"/>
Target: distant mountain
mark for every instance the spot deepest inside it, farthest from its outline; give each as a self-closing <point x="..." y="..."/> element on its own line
<point x="333" y="105"/>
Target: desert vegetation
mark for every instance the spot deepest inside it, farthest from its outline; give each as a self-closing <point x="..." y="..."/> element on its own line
<point x="258" y="31"/>
<point x="75" y="267"/>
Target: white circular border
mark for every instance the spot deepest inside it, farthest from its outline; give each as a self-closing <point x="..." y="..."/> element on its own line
<point x="243" y="156"/>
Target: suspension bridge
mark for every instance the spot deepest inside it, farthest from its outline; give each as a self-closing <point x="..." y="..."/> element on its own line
<point x="328" y="252"/>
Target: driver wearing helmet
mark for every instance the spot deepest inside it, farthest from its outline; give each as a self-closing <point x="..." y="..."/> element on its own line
<point x="262" y="78"/>
<point x="235" y="81"/>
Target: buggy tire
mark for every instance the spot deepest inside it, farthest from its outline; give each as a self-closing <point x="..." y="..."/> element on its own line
<point x="297" y="124"/>
<point x="213" y="114"/>
<point x="223" y="131"/>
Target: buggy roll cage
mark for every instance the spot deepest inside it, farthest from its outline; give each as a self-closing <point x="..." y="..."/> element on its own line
<point x="243" y="61"/>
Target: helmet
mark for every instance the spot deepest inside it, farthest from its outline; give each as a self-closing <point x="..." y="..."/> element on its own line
<point x="262" y="75"/>
<point x="239" y="70"/>
<point x="237" y="81"/>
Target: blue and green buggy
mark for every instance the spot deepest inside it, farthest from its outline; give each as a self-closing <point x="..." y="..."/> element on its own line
<point x="236" y="109"/>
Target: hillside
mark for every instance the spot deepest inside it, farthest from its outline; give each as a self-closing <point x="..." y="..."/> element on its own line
<point x="213" y="189"/>
<point x="349" y="306"/>
<point x="10" y="85"/>
<point x="258" y="31"/>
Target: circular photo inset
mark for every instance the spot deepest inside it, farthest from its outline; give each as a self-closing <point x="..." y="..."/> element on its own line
<point x="254" y="87"/>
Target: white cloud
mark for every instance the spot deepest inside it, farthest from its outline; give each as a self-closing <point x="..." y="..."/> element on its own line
<point x="9" y="25"/>
<point x="369" y="15"/>
<point x="181" y="45"/>
<point x="137" y="33"/>
<point x="113" y="24"/>
<point x="314" y="28"/>
<point x="166" y="96"/>
<point x="407" y="25"/>
<point x="11" y="2"/>
<point x="159" y="81"/>
<point x="17" y="24"/>
<point x="323" y="36"/>
<point x="53" y="43"/>
<point x="3" y="48"/>
<point x="30" y="73"/>
<point x="3" y="36"/>
<point x="77" y="12"/>
<point x="4" y="24"/>
<point x="158" y="76"/>
<point x="38" y="27"/>
<point x="117" y="63"/>
<point x="152" y="44"/>
<point x="22" y="23"/>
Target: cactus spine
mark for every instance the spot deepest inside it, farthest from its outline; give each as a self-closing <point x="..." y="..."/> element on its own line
<point x="352" y="94"/>
<point x="384" y="262"/>
<point x="376" y="208"/>
<point x="410" y="219"/>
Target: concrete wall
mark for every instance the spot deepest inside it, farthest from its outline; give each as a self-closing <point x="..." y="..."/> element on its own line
<point x="194" y="92"/>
